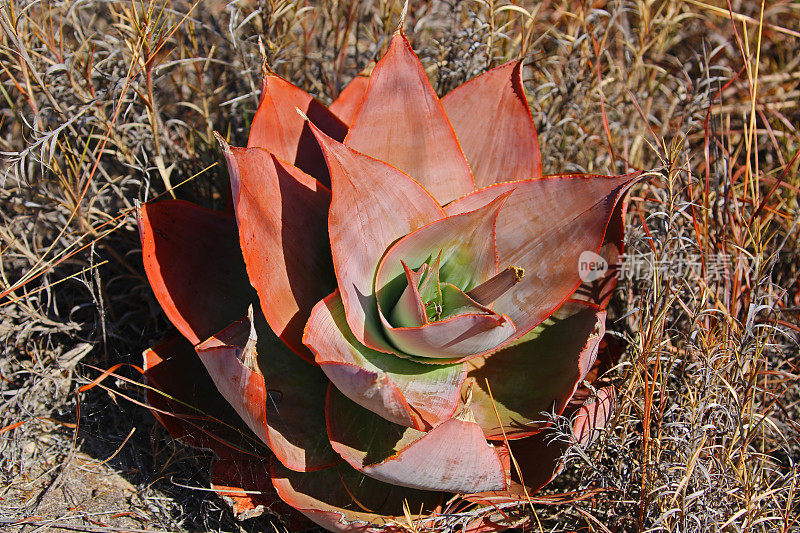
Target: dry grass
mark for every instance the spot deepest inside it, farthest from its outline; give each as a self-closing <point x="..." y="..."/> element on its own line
<point x="108" y="102"/>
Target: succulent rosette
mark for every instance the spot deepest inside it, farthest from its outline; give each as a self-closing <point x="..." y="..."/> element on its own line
<point x="393" y="307"/>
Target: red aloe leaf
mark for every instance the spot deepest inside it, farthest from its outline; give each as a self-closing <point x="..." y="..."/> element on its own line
<point x="538" y="373"/>
<point x="493" y="522"/>
<point x="279" y="129"/>
<point x="344" y="500"/>
<point x="349" y="100"/>
<point x="404" y="392"/>
<point x="593" y="415"/>
<point x="492" y="121"/>
<point x="183" y="398"/>
<point x="540" y="457"/>
<point x="278" y="395"/>
<point x="544" y="228"/>
<point x="283" y="230"/>
<point x="402" y="122"/>
<point x="454" y="456"/>
<point x="373" y="205"/>
<point x="192" y="260"/>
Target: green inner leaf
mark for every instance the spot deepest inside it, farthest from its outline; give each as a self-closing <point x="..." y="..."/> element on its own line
<point x="429" y="289"/>
<point x="440" y="299"/>
<point x="456" y="302"/>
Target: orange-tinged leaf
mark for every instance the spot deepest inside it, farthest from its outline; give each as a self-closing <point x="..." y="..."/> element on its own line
<point x="279" y="129"/>
<point x="593" y="416"/>
<point x="453" y="339"/>
<point x="544" y="227"/>
<point x="492" y="121"/>
<point x="464" y="243"/>
<point x="600" y="290"/>
<point x="282" y="215"/>
<point x="402" y="122"/>
<point x="409" y="311"/>
<point x="278" y="395"/>
<point x="192" y="260"/>
<point x="183" y="398"/>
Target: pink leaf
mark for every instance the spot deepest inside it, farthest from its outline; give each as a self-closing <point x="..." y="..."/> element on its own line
<point x="373" y="205"/>
<point x="404" y="392"/>
<point x="454" y="456"/>
<point x="492" y="121"/>
<point x="544" y="228"/>
<point x="278" y="395"/>
<point x="402" y="122"/>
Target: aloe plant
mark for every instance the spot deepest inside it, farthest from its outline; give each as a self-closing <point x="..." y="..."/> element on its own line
<point x="392" y="307"/>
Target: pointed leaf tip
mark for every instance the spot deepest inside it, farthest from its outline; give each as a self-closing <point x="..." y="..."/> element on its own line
<point x="402" y="122"/>
<point x="223" y="144"/>
<point x="541" y="456"/>
<point x="492" y="121"/>
<point x="278" y="128"/>
<point x="403" y="14"/>
<point x="182" y="397"/>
